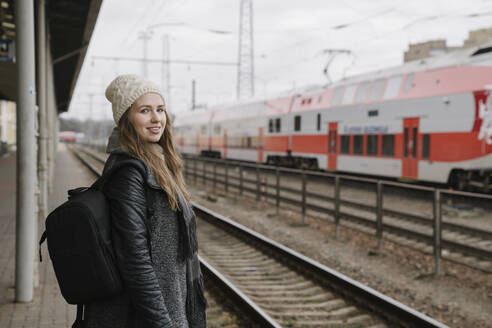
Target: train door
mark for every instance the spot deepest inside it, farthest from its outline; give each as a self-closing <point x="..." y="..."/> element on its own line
<point x="410" y="147"/>
<point x="332" y="145"/>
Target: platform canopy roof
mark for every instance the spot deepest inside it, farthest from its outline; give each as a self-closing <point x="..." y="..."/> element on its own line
<point x="70" y="26"/>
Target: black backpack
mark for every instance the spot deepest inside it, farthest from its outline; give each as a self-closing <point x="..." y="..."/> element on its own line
<point x="79" y="243"/>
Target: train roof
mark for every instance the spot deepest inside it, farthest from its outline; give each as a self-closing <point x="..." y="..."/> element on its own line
<point x="457" y="71"/>
<point x="467" y="56"/>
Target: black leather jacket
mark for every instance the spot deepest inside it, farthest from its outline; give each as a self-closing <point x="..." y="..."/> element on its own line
<point x="126" y="193"/>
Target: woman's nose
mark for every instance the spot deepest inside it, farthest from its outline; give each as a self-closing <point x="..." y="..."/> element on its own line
<point x="154" y="117"/>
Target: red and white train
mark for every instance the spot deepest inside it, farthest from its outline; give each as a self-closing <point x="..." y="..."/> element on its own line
<point x="428" y="120"/>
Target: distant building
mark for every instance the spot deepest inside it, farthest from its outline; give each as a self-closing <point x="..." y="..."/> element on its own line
<point x="424" y="49"/>
<point x="7" y="122"/>
<point x="431" y="48"/>
<point x="478" y="37"/>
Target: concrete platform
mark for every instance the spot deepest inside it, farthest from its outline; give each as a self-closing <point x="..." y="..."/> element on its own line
<point x="48" y="309"/>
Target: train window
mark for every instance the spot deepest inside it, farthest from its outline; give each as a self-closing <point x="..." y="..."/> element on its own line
<point x="362" y="92"/>
<point x="348" y="96"/>
<point x="388" y="148"/>
<point x="377" y="89"/>
<point x="204" y="129"/>
<point x="337" y="96"/>
<point x="408" y="82"/>
<point x="372" y="112"/>
<point x="358" y="144"/>
<point x="426" y="146"/>
<point x="277" y="125"/>
<point x="249" y="142"/>
<point x="372" y="145"/>
<point x="217" y="129"/>
<point x="297" y="123"/>
<point x="393" y="87"/>
<point x="318" y="122"/>
<point x="270" y="125"/>
<point x="345" y="144"/>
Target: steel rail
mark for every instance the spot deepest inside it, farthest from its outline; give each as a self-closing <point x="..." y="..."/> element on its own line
<point x="366" y="297"/>
<point x="253" y="311"/>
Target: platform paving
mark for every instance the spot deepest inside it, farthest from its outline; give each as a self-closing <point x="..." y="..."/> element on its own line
<point x="48" y="308"/>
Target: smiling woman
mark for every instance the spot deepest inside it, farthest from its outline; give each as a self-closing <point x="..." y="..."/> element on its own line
<point x="153" y="225"/>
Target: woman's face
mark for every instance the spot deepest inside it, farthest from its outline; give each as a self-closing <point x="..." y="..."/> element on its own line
<point x="148" y="117"/>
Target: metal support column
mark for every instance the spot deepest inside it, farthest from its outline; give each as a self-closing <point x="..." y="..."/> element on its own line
<point x="215" y="177"/>
<point x="379" y="214"/>
<point x="226" y="176"/>
<point x="258" y="191"/>
<point x="277" y="190"/>
<point x="204" y="171"/>
<point x="337" y="206"/>
<point x="52" y="117"/>
<point x="303" y="201"/>
<point x="437" y="231"/>
<point x="240" y="179"/>
<point x="195" y="173"/>
<point x="43" y="119"/>
<point x="26" y="151"/>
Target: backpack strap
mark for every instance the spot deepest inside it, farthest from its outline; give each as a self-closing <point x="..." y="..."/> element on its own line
<point x="128" y="161"/>
<point x="79" y="320"/>
<point x="41" y="241"/>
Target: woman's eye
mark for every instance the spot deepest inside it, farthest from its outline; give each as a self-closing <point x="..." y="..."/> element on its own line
<point x="144" y="110"/>
<point x="160" y="110"/>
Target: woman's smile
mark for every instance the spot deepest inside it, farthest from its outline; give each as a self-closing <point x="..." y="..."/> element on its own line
<point x="154" y="129"/>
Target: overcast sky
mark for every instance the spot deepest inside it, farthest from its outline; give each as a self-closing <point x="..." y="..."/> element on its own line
<point x="289" y="39"/>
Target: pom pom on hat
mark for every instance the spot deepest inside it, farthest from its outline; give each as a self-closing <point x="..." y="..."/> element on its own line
<point x="125" y="89"/>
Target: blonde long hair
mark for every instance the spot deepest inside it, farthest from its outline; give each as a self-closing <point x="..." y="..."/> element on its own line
<point x="167" y="173"/>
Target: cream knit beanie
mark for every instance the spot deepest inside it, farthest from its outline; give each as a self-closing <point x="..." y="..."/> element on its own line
<point x="125" y="89"/>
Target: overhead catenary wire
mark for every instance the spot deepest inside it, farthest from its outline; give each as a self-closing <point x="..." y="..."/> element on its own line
<point x="358" y="44"/>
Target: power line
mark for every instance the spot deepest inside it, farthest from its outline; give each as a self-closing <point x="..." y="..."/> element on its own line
<point x="173" y="61"/>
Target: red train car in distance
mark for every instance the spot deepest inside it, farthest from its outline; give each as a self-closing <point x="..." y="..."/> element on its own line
<point x="67" y="136"/>
<point x="427" y="120"/>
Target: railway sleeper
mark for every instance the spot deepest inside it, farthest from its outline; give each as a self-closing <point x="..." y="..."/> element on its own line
<point x="363" y="320"/>
<point x="326" y="305"/>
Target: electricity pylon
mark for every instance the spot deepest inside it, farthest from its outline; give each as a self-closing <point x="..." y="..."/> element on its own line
<point x="245" y="69"/>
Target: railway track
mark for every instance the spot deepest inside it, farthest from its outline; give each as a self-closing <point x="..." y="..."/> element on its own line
<point x="406" y="219"/>
<point x="284" y="286"/>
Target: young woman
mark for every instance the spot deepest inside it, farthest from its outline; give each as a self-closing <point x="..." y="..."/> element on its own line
<point x="153" y="225"/>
